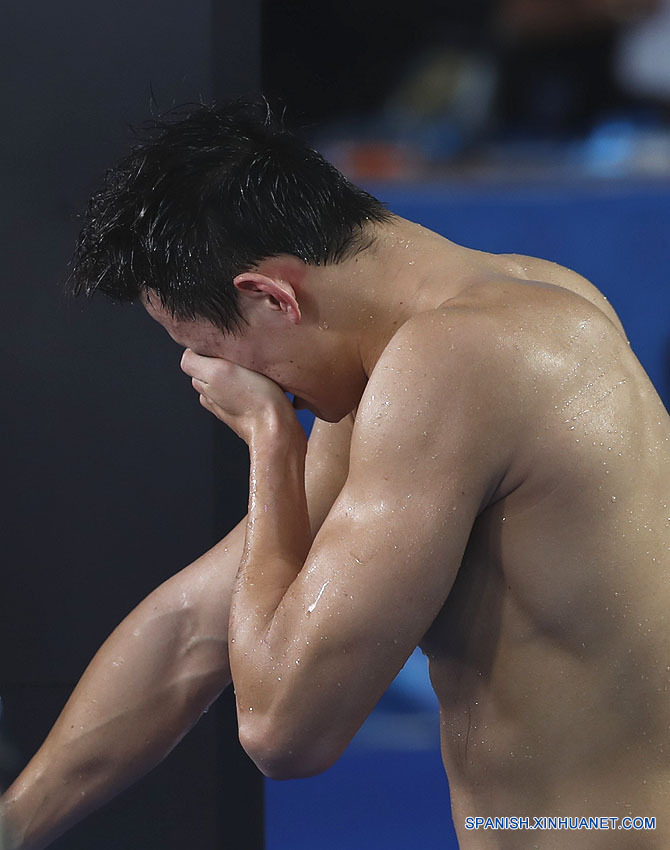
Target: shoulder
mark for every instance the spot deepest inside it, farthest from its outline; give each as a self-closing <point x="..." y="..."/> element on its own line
<point x="570" y="281"/>
<point x="497" y="339"/>
<point x="435" y="402"/>
<point x="457" y="346"/>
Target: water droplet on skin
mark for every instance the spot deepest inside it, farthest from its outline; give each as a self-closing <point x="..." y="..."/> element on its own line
<point x="613" y="498"/>
<point x="314" y="604"/>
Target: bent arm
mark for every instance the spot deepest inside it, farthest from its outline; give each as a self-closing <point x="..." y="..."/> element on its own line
<point x="317" y="636"/>
<point x="146" y="687"/>
<point x="151" y="680"/>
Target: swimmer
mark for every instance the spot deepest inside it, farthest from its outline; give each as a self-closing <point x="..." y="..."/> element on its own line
<point x="487" y="479"/>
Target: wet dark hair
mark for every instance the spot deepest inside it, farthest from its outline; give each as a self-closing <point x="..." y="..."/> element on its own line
<point x="206" y="194"/>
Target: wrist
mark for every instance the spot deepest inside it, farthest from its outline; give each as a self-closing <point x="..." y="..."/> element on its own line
<point x="278" y="431"/>
<point x="12" y="831"/>
<point x="278" y="520"/>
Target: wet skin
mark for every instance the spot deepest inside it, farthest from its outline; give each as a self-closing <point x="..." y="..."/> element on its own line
<point x="551" y="655"/>
<point x="505" y="508"/>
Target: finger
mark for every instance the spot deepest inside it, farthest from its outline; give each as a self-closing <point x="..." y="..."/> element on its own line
<point x="207" y="369"/>
<point x="186" y="362"/>
<point x="195" y="364"/>
<point x="206" y="403"/>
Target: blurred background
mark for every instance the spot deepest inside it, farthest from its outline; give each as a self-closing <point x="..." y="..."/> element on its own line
<point x="526" y="126"/>
<point x="490" y="88"/>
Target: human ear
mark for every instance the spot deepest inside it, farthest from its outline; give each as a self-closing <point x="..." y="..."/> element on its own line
<point x="273" y="292"/>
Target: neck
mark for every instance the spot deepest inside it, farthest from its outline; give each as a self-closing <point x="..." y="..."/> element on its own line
<point x="406" y="271"/>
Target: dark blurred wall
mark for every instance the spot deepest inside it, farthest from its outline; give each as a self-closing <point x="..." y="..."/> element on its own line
<point x="332" y="62"/>
<point x="114" y="477"/>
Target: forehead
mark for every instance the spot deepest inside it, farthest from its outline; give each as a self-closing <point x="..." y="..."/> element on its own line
<point x="198" y="334"/>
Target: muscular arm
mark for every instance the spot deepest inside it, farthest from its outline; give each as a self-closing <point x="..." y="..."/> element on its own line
<point x="151" y="680"/>
<point x="319" y="628"/>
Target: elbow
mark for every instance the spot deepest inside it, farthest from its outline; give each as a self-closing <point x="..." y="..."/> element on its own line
<point x="280" y="752"/>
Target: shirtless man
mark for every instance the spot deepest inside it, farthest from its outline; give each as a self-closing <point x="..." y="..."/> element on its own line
<point x="487" y="479"/>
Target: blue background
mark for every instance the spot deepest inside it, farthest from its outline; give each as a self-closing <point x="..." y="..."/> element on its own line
<point x="389" y="790"/>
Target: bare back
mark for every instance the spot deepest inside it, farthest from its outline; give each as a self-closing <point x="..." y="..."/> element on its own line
<point x="551" y="656"/>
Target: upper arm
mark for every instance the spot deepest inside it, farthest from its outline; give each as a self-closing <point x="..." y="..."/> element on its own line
<point x="326" y="466"/>
<point x="422" y="461"/>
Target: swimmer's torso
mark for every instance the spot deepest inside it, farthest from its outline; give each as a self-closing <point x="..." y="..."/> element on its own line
<point x="551" y="656"/>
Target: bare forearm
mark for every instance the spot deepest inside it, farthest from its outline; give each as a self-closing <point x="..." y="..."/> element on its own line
<point x="146" y="687"/>
<point x="277" y="542"/>
<point x="278" y="534"/>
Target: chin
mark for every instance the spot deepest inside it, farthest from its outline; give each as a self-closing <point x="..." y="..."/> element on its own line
<point x="331" y="415"/>
<point x="328" y="417"/>
<point x="327" y="413"/>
